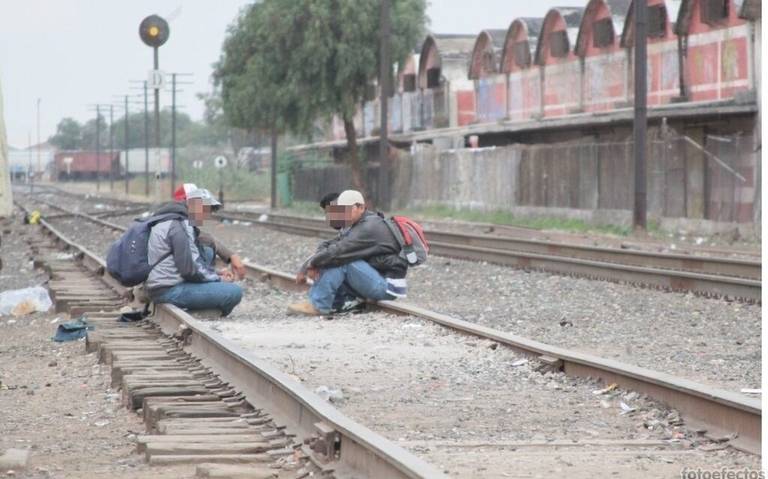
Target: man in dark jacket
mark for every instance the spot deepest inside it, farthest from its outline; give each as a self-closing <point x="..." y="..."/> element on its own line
<point x="183" y="275"/>
<point x="363" y="261"/>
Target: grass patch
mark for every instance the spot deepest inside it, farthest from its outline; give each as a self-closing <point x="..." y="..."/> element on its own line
<point x="507" y="218"/>
<point x="304" y="208"/>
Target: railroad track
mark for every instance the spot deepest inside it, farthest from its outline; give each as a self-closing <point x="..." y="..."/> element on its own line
<point x="705" y="275"/>
<point x="721" y="413"/>
<point x="205" y="400"/>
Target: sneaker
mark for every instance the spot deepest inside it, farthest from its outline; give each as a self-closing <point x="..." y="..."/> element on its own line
<point x="352" y="306"/>
<point x="306" y="308"/>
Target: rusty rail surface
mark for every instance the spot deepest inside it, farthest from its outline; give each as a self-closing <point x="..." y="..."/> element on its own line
<point x="723" y="414"/>
<point x="710" y="276"/>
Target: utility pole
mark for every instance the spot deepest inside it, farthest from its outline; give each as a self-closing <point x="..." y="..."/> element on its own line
<point x="640" y="122"/>
<point x="273" y="172"/>
<point x="173" y="133"/>
<point x="111" y="148"/>
<point x="174" y="110"/>
<point x="146" y="141"/>
<point x="157" y="111"/>
<point x="385" y="74"/>
<point x="39" y="168"/>
<point x="98" y="147"/>
<point x="30" y="173"/>
<point x="127" y="147"/>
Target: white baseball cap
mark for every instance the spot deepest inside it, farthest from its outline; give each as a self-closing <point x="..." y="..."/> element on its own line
<point x="205" y="195"/>
<point x="350" y="198"/>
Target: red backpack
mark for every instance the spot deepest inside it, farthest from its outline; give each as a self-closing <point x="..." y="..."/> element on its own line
<point x="414" y="246"/>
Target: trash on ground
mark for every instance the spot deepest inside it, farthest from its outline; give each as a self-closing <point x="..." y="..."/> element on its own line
<point x="20" y="302"/>
<point x="608" y="389"/>
<point x="626" y="408"/>
<point x="751" y="391"/>
<point x="332" y="395"/>
<point x="72" y="330"/>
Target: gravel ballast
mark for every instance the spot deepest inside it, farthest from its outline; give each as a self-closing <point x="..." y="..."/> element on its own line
<point x="712" y="341"/>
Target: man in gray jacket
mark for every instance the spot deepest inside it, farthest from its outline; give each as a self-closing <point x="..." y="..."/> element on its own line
<point x="183" y="276"/>
<point x="362" y="262"/>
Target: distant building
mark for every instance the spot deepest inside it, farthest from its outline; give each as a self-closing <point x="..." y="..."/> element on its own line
<point x="27" y="159"/>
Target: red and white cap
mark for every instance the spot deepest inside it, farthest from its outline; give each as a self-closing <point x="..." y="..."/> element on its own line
<point x="183" y="190"/>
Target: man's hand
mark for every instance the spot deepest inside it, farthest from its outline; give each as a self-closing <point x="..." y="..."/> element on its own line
<point x="313" y="273"/>
<point x="237" y="266"/>
<point x="301" y="277"/>
<point x="226" y="275"/>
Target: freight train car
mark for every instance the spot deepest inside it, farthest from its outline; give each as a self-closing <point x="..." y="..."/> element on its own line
<point x="86" y="165"/>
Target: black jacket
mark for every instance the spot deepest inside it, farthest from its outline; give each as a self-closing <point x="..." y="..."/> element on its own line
<point x="371" y="240"/>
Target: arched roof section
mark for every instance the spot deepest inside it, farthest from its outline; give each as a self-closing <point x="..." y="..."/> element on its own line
<point x="661" y="21"/>
<point x="520" y="44"/>
<point x="685" y="15"/>
<point x="486" y="52"/>
<point x="408" y="74"/>
<point x="444" y="51"/>
<point x="751" y="9"/>
<point x="601" y="25"/>
<point x="560" y="24"/>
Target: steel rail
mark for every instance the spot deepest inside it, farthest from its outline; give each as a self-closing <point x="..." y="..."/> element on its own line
<point x="722" y="413"/>
<point x="590" y="262"/>
<point x="362" y="452"/>
<point x="736" y="267"/>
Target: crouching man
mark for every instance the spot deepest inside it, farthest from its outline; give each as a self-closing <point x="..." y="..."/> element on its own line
<point x="183" y="274"/>
<point x="363" y="262"/>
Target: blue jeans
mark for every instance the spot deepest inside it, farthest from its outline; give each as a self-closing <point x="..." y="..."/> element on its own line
<point x="197" y="296"/>
<point x="355" y="279"/>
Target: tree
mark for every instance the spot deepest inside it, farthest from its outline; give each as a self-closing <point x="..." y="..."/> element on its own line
<point x="291" y="62"/>
<point x="69" y="135"/>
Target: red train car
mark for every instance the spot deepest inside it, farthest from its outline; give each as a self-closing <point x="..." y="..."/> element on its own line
<point x="86" y="164"/>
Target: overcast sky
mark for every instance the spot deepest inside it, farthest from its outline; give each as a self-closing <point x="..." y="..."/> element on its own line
<point x="72" y="53"/>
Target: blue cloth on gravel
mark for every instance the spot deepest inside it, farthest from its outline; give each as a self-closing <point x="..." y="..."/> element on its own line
<point x="72" y="330"/>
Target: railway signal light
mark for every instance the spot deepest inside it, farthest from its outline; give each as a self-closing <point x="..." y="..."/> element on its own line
<point x="154" y="31"/>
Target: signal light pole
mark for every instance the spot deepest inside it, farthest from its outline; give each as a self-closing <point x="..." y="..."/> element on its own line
<point x="154" y="32"/>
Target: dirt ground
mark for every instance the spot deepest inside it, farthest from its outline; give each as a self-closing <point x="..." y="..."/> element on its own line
<point x="55" y="400"/>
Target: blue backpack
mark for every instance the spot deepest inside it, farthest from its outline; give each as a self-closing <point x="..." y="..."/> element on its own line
<point x="127" y="260"/>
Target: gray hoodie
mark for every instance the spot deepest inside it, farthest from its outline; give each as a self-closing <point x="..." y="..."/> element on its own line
<point x="176" y="239"/>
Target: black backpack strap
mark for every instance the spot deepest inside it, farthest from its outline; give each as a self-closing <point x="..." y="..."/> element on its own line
<point x="167" y="217"/>
<point x="165" y="256"/>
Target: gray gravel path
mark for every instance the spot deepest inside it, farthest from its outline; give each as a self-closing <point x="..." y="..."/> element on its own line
<point x="707" y="340"/>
